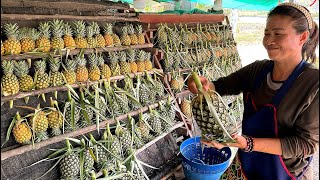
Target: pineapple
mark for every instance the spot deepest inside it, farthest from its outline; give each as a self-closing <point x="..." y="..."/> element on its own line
<point x="177" y="83"/>
<point x="124" y="66"/>
<point x="71" y="122"/>
<point x="21" y="69"/>
<point x="116" y="40"/>
<point x="9" y="82"/>
<point x="94" y="71"/>
<point x="124" y="136"/>
<point x="131" y="54"/>
<point x="41" y="77"/>
<point x="155" y="121"/>
<point x="92" y="43"/>
<point x="185" y="107"/>
<point x="69" y="73"/>
<point x="43" y="42"/>
<point x="67" y="38"/>
<point x="140" y="35"/>
<point x="82" y="71"/>
<point x="115" y="145"/>
<point x="125" y="38"/>
<point x="101" y="42"/>
<point x="21" y="131"/>
<point x="147" y="61"/>
<point x="57" y="33"/>
<point x="104" y="68"/>
<point x="27" y="39"/>
<point x="56" y="77"/>
<point x="114" y="66"/>
<point x="132" y="35"/>
<point x="140" y="62"/>
<point x="108" y="34"/>
<point x="216" y="122"/>
<point x="80" y="32"/>
<point x="12" y="44"/>
<point x="39" y="124"/>
<point x="55" y="119"/>
<point x="69" y="165"/>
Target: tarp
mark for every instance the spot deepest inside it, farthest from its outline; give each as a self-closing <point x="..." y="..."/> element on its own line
<point x="261" y="5"/>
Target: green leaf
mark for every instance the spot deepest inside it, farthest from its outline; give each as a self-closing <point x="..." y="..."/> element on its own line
<point x="10" y="129"/>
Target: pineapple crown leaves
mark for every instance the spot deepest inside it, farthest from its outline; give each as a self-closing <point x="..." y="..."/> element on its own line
<point x="119" y="129"/>
<point x="81" y="61"/>
<point x="79" y="28"/>
<point x="21" y="68"/>
<point x="113" y="57"/>
<point x="124" y="30"/>
<point x="141" y="55"/>
<point x="139" y="29"/>
<point x="100" y="59"/>
<point x="89" y="31"/>
<point x="54" y="63"/>
<point x="40" y="65"/>
<point x="7" y="67"/>
<point x="67" y="29"/>
<point x="45" y="29"/>
<point x="96" y="28"/>
<point x="70" y="64"/>
<point x="57" y="28"/>
<point x="131" y="55"/>
<point x="130" y="29"/>
<point x="93" y="60"/>
<point x="11" y="30"/>
<point x="107" y="28"/>
<point x="122" y="56"/>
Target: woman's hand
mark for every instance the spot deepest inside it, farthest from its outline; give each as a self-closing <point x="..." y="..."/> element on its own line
<point x="205" y="84"/>
<point x="241" y="142"/>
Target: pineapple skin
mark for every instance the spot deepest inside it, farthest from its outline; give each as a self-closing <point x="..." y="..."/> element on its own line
<point x="22" y="133"/>
<point x="27" y="45"/>
<point x="12" y="46"/>
<point x="69" y="42"/>
<point x="82" y="74"/>
<point x="70" y="76"/>
<point x="10" y="84"/>
<point x="26" y="83"/>
<point x="43" y="44"/>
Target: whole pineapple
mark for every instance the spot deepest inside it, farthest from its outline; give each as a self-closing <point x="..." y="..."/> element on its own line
<point x="21" y="130"/>
<point x="132" y="35"/>
<point x="104" y="68"/>
<point x="67" y="38"/>
<point x="71" y="123"/>
<point x="56" y="77"/>
<point x="55" y="119"/>
<point x="94" y="71"/>
<point x="177" y="83"/>
<point x="125" y="38"/>
<point x="108" y="34"/>
<point x="39" y="124"/>
<point x="9" y="82"/>
<point x="114" y="144"/>
<point x="140" y="35"/>
<point x="42" y="79"/>
<point x="92" y="43"/>
<point x="185" y="107"/>
<point x="147" y="61"/>
<point x="21" y="69"/>
<point x="114" y="66"/>
<point x="124" y="136"/>
<point x="69" y="165"/>
<point x="124" y="65"/>
<point x="69" y="73"/>
<point x="155" y="121"/>
<point x="12" y="44"/>
<point x="57" y="33"/>
<point x="43" y="43"/>
<point x="140" y="61"/>
<point x="99" y="38"/>
<point x="27" y="39"/>
<point x="79" y="28"/>
<point x="131" y="55"/>
<point x="82" y="71"/>
<point x="116" y="39"/>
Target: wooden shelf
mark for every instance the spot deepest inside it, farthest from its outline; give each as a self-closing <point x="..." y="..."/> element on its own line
<point x="183" y="94"/>
<point x="21" y="95"/>
<point x="55" y="139"/>
<point x="73" y="52"/>
<point x="183" y="18"/>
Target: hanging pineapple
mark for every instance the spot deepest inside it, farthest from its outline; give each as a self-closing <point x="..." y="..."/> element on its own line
<point x="132" y="35"/>
<point x="147" y="61"/>
<point x="69" y="72"/>
<point x="116" y="39"/>
<point x="43" y="43"/>
<point x="69" y="165"/>
<point x="140" y="61"/>
<point x="185" y="107"/>
<point x="99" y="38"/>
<point x="82" y="71"/>
<point x="177" y="82"/>
<point x="79" y="28"/>
<point x="28" y="36"/>
<point x="140" y="35"/>
<point x="55" y="118"/>
<point x="12" y="44"/>
<point x="114" y="66"/>
<point x="125" y="38"/>
<point x="2" y="49"/>
<point x="21" y="130"/>
<point x="92" y="43"/>
<point x="9" y="82"/>
<point x="21" y="69"/>
<point x="94" y="71"/>
<point x="39" y="124"/>
<point x="124" y="136"/>
<point x="131" y="54"/>
<point x="104" y="68"/>
<point x="67" y="38"/>
<point x="56" y="77"/>
<point x="124" y="66"/>
<point x="41" y="77"/>
<point x="108" y="34"/>
<point x="57" y="33"/>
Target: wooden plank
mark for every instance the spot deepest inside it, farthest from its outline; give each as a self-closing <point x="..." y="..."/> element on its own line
<point x="184" y="18"/>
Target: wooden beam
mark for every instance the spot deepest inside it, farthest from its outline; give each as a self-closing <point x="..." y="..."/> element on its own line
<point x="184" y="18"/>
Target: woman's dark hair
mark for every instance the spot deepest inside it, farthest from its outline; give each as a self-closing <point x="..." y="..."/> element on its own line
<point x="301" y="25"/>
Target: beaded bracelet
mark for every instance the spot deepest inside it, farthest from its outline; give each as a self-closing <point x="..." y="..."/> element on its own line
<point x="250" y="144"/>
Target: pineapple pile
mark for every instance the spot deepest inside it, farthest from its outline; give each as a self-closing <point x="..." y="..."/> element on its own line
<point x="57" y="34"/>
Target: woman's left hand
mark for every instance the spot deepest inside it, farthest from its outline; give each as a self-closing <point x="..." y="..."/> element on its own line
<point x="241" y="142"/>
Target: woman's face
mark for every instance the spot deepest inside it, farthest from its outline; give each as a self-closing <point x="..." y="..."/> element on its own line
<point x="281" y="40"/>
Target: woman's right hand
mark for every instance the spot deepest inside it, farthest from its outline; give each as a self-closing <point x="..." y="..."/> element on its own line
<point x="205" y="84"/>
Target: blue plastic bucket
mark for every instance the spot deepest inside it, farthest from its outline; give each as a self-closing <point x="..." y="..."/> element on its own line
<point x="208" y="164"/>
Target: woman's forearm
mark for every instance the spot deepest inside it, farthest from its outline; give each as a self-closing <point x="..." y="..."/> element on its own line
<point x="268" y="145"/>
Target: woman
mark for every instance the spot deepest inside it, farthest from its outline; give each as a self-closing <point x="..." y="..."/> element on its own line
<point x="281" y="99"/>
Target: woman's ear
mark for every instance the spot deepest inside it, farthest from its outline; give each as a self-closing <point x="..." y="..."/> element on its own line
<point x="304" y="37"/>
